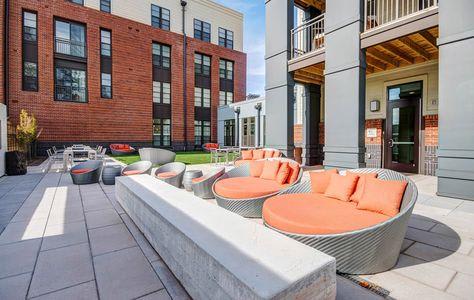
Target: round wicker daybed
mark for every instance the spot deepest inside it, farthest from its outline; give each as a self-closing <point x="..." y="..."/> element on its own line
<point x="257" y="190"/>
<point x="367" y="250"/>
<point x="247" y="156"/>
<point x="121" y="149"/>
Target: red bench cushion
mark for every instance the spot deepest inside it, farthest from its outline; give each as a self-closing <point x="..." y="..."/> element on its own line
<point x="132" y="172"/>
<point x="81" y="171"/>
<point x="165" y="175"/>
<point x="246" y="187"/>
<point x="313" y="213"/>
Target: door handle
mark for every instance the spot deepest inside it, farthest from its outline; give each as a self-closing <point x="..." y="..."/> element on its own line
<point x="390" y="143"/>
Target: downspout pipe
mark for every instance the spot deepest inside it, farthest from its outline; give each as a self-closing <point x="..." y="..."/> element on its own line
<point x="258" y="107"/>
<point x="6" y="69"/>
<point x="185" y="83"/>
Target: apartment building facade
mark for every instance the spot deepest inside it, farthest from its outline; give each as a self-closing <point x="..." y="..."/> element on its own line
<point x="374" y="83"/>
<point x="147" y="72"/>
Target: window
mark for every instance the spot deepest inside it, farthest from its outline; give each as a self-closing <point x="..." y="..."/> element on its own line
<point x="229" y="132"/>
<point x="161" y="56"/>
<point x="226" y="69"/>
<point x="161" y="132"/>
<point x="70" y="38"/>
<point x="202" y="97"/>
<point x="160" y="17"/>
<point x="106" y="85"/>
<point x="226" y="38"/>
<point x="161" y="92"/>
<point x="70" y="84"/>
<point x="202" y="132"/>
<point x="202" y="64"/>
<point x="105" y="42"/>
<point x="202" y="30"/>
<point x="226" y="98"/>
<point x="105" y="6"/>
<point x="106" y="63"/>
<point x="81" y="2"/>
<point x="30" y="52"/>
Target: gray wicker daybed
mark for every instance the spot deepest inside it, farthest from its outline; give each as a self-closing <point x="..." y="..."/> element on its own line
<point x="249" y="207"/>
<point x="87" y="172"/>
<point x="202" y="187"/>
<point x="171" y="173"/>
<point x="366" y="251"/>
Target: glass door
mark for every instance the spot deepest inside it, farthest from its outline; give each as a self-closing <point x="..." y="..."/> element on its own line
<point x="248" y="132"/>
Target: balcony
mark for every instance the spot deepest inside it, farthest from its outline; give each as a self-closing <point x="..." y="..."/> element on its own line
<point x="385" y="12"/>
<point x="307" y="37"/>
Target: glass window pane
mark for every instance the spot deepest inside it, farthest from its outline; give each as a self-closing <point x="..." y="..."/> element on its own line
<point x="62" y="30"/>
<point x="29" y="19"/>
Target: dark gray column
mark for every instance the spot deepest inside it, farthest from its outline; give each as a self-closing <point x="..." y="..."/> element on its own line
<point x="311" y="106"/>
<point x="344" y="85"/>
<point x="456" y="99"/>
<point x="278" y="82"/>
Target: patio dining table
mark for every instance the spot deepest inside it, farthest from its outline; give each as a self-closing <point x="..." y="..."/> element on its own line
<point x="71" y="151"/>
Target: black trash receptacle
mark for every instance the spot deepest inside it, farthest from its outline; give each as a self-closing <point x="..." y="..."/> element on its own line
<point x="15" y="163"/>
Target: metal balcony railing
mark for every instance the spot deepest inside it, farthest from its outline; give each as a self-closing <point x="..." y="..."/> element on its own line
<point x="307" y="37"/>
<point x="69" y="47"/>
<point x="381" y="12"/>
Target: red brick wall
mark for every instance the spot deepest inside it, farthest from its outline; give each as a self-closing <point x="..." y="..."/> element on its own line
<point x="298" y="134"/>
<point x="431" y="130"/>
<point x="128" y="116"/>
<point x="321" y="133"/>
<point x="377" y="123"/>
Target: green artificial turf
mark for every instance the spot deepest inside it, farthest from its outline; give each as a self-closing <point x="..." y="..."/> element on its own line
<point x="189" y="158"/>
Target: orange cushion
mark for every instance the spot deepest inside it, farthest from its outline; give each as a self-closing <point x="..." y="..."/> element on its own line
<point x="360" y="185"/>
<point x="196" y="180"/>
<point x="316" y="214"/>
<point x="276" y="153"/>
<point x="81" y="171"/>
<point x="256" y="168"/>
<point x="341" y="187"/>
<point x="246" y="187"/>
<point x="242" y="162"/>
<point x="165" y="175"/>
<point x="247" y="154"/>
<point x="268" y="154"/>
<point x="270" y="169"/>
<point x="294" y="172"/>
<point x="382" y="196"/>
<point x="283" y="173"/>
<point x="320" y="180"/>
<point x="132" y="172"/>
<point x="258" y="154"/>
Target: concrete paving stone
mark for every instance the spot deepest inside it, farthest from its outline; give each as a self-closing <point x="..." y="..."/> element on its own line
<point x="406" y="243"/>
<point x="462" y="286"/>
<point x="10" y="206"/>
<point x="172" y="285"/>
<point x="15" y="287"/>
<point x="463" y="233"/>
<point x="21" y="231"/>
<point x="125" y="274"/>
<point x="348" y="290"/>
<point x="83" y="291"/>
<point x="160" y="295"/>
<point x="439" y="240"/>
<point x="110" y="238"/>
<point x="18" y="258"/>
<point x="68" y="216"/>
<point x="61" y="235"/>
<point x="101" y="218"/>
<point x="443" y="202"/>
<point x="442" y="257"/>
<point x="430" y="274"/>
<point x="143" y="243"/>
<point x="91" y="204"/>
<point x="61" y="268"/>
<point x="31" y="213"/>
<point x="466" y="206"/>
<point x="422" y="224"/>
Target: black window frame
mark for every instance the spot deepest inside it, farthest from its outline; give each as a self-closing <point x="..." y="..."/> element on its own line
<point x="78" y="2"/>
<point x="201" y="69"/>
<point x="159" y="59"/>
<point x="29" y="54"/>
<point x="106" y="91"/>
<point x="71" y="66"/>
<point x="226" y="101"/>
<point x="161" y="99"/>
<point x="202" y="138"/>
<point x="84" y="26"/>
<point x="158" y="21"/>
<point x="106" y="6"/>
<point x="226" y="69"/>
<point x="225" y="41"/>
<point x="229" y="127"/>
<point x="200" y="33"/>
<point x="161" y="125"/>
<point x="202" y="97"/>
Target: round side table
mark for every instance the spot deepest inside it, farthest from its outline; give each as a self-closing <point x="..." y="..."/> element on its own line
<point x="109" y="173"/>
<point x="188" y="178"/>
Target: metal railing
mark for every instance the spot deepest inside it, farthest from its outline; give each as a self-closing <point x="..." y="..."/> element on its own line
<point x="381" y="12"/>
<point x="307" y="37"/>
<point x="69" y="47"/>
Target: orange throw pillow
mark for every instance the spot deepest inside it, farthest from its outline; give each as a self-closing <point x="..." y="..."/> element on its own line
<point x="270" y="169"/>
<point x="360" y="185"/>
<point x="294" y="172"/>
<point x="382" y="196"/>
<point x="246" y="154"/>
<point x="341" y="187"/>
<point x="258" y="154"/>
<point x="320" y="180"/>
<point x="256" y="168"/>
<point x="283" y="173"/>
<point x="268" y="154"/>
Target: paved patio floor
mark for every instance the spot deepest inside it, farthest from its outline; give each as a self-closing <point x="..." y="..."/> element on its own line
<point x="62" y="241"/>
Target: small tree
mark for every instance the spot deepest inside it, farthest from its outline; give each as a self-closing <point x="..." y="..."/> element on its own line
<point x="26" y="130"/>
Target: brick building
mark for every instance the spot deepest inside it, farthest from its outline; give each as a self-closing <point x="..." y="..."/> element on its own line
<point x="100" y="72"/>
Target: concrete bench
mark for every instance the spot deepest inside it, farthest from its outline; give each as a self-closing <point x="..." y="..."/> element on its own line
<point x="216" y="254"/>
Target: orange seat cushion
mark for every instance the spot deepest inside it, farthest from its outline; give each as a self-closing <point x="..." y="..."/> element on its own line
<point x="82" y="171"/>
<point x="256" y="168"/>
<point x="341" y="187"/>
<point x="360" y="185"/>
<point x="268" y="154"/>
<point x="382" y="196"/>
<point x="270" y="169"/>
<point x="196" y="180"/>
<point x="316" y="214"/>
<point x="276" y="153"/>
<point x="320" y="180"/>
<point x="246" y="187"/>
<point x="258" y="154"/>
<point x="165" y="175"/>
<point x="132" y="172"/>
<point x="247" y="154"/>
<point x="294" y="172"/>
<point x="283" y="172"/>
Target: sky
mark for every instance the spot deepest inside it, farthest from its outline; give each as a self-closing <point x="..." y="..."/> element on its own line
<point x="254" y="41"/>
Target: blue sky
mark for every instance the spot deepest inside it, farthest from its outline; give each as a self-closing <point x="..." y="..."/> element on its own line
<point x="254" y="40"/>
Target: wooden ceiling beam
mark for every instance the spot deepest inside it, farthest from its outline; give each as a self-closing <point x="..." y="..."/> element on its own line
<point x="370" y="69"/>
<point x="395" y="51"/>
<point x="383" y="57"/>
<point x="415" y="47"/>
<point x="315" y="70"/>
<point x="319" y="4"/>
<point x="427" y="36"/>
<point x="376" y="63"/>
